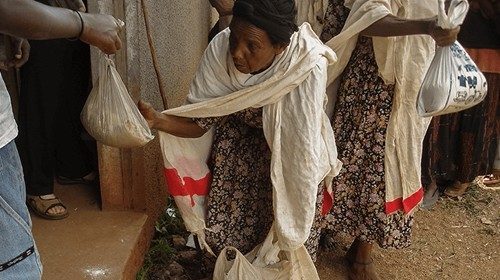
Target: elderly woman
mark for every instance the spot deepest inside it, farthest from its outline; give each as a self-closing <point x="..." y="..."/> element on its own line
<point x="378" y="132"/>
<point x="260" y="89"/>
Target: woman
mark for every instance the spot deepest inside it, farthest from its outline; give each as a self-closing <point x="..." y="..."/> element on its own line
<point x="377" y="129"/>
<point x="261" y="89"/>
<point x="462" y="146"/>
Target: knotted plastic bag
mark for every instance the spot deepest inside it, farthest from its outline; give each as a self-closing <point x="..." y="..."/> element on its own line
<point x="453" y="82"/>
<point x="266" y="262"/>
<point x="110" y="115"/>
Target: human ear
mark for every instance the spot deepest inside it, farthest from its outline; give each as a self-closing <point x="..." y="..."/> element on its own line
<point x="279" y="48"/>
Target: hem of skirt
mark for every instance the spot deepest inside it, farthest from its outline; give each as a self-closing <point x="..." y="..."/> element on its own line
<point x="406" y="205"/>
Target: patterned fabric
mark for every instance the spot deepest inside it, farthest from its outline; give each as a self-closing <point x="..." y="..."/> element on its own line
<point x="239" y="208"/>
<point x="461" y="146"/>
<point x="360" y="122"/>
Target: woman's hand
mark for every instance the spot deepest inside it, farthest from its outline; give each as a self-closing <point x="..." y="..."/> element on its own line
<point x="443" y="37"/>
<point x="149" y="113"/>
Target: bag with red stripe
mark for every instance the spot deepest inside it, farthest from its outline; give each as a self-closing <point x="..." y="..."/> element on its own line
<point x="188" y="178"/>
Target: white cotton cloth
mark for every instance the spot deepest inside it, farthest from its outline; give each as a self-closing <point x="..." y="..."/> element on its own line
<point x="292" y="94"/>
<point x="402" y="61"/>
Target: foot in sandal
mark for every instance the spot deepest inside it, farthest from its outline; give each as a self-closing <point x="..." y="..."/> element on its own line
<point x="47" y="206"/>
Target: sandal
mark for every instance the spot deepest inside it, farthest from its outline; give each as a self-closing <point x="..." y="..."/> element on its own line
<point x="456" y="189"/>
<point x="491" y="179"/>
<point x="42" y="206"/>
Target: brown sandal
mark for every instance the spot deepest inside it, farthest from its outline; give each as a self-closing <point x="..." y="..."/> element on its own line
<point x="42" y="206"/>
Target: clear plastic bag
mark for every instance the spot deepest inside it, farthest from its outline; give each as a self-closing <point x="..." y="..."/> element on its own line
<point x="453" y="82"/>
<point x="110" y="115"/>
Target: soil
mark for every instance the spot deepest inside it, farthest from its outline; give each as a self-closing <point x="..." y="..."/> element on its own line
<point x="456" y="239"/>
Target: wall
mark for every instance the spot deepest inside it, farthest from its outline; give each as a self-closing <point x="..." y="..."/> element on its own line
<point x="132" y="178"/>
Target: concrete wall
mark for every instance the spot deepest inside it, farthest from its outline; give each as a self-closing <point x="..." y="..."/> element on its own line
<point x="133" y="178"/>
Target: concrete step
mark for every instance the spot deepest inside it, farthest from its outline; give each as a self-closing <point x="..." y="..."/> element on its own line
<point x="90" y="243"/>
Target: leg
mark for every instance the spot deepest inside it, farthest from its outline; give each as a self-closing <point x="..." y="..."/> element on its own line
<point x="40" y="89"/>
<point x="71" y="154"/>
<point x="19" y="258"/>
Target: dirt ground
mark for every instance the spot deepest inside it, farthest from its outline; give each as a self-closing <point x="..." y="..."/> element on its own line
<point x="457" y="239"/>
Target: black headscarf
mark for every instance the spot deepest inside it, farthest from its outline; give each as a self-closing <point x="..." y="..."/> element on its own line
<point x="276" y="17"/>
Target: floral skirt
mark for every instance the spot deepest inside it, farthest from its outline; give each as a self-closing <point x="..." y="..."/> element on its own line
<point x="360" y="122"/>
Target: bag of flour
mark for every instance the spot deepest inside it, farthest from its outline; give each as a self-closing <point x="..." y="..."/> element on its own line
<point x="110" y="115"/>
<point x="453" y="82"/>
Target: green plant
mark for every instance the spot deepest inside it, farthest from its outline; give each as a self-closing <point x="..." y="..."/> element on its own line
<point x="160" y="252"/>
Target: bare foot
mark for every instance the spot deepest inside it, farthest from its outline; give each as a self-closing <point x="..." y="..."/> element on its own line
<point x="362" y="271"/>
<point x="456" y="189"/>
<point x="360" y="261"/>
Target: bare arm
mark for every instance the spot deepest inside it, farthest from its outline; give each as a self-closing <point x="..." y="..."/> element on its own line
<point x="393" y="26"/>
<point x="32" y="20"/>
<point x="225" y="10"/>
<point x="223" y="7"/>
<point x="177" y="126"/>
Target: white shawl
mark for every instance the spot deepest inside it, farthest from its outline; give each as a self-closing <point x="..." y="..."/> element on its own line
<point x="402" y="61"/>
<point x="299" y="134"/>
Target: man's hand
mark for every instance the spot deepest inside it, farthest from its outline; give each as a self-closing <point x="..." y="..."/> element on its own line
<point x="102" y="31"/>
<point x="21" y="53"/>
<point x="75" y="5"/>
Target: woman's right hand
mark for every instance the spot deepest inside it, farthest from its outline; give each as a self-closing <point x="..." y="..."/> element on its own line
<point x="102" y="31"/>
<point x="443" y="37"/>
<point x="148" y="112"/>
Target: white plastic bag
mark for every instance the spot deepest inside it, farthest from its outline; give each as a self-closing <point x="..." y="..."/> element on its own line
<point x="266" y="262"/>
<point x="453" y="82"/>
<point x="110" y="115"/>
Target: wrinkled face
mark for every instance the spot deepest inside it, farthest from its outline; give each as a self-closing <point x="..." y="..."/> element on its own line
<point x="250" y="47"/>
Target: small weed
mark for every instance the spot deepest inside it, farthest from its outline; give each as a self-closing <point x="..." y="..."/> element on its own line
<point x="160" y="251"/>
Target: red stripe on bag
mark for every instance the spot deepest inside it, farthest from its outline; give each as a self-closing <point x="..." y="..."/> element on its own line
<point x="191" y="187"/>
<point x="327" y="202"/>
<point x="406" y="205"/>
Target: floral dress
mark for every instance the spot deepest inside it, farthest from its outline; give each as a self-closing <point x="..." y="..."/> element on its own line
<point x="362" y="112"/>
<point x="240" y="204"/>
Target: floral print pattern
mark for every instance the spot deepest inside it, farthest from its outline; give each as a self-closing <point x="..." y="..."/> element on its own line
<point x="360" y="121"/>
<point x="239" y="208"/>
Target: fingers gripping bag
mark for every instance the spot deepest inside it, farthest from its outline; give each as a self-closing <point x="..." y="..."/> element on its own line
<point x="110" y="115"/>
<point x="453" y="82"/>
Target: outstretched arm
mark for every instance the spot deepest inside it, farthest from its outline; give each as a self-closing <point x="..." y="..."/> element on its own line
<point x="32" y="20"/>
<point x="393" y="26"/>
<point x="177" y="126"/>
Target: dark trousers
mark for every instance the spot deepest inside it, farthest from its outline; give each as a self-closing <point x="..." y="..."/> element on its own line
<point x="54" y="86"/>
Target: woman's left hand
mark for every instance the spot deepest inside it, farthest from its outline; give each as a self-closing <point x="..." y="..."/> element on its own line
<point x="443" y="37"/>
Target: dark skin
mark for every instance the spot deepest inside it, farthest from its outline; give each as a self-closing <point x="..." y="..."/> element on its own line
<point x="252" y="52"/>
<point x="45" y="22"/>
